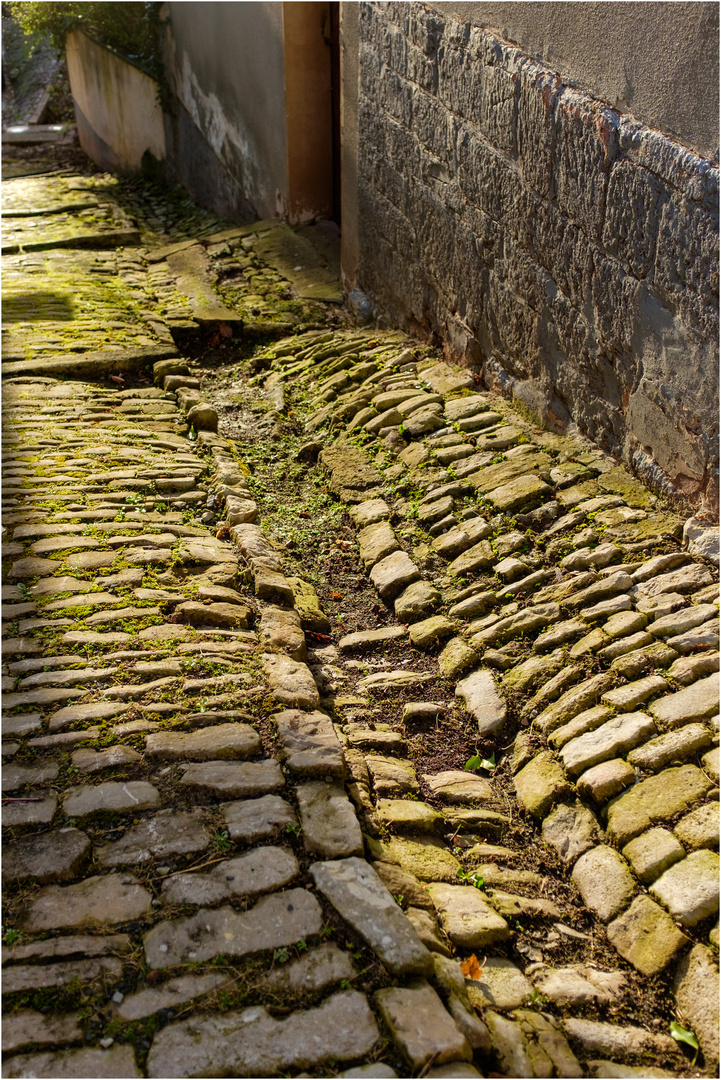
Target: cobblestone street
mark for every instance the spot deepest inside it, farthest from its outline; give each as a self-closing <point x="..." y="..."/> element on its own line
<point x="353" y="724"/>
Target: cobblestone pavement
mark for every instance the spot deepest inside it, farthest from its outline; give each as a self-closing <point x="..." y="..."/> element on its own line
<point x="354" y="725"/>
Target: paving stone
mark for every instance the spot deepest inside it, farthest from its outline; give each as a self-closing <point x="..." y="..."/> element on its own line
<point x="653" y="852"/>
<point x="360" y="897"/>
<point x="407" y="816"/>
<point x="24" y="978"/>
<point x="678" y="622"/>
<point x="392" y="574"/>
<point x="692" y="703"/>
<point x="111" y="796"/>
<point x="420" y="1026"/>
<point x="94" y="710"/>
<point x="687" y="669"/>
<point x="38" y="812"/>
<point x="617" y="1041"/>
<point x="26" y="1027"/>
<point x="118" y="1061"/>
<point x="15" y="777"/>
<point x="330" y="827"/>
<point x="280" y="628"/>
<point x="581" y="986"/>
<point x="252" y="820"/>
<point x="570" y="830"/>
<point x="382" y="737"/>
<point x="170" y="995"/>
<point x="22" y="724"/>
<point x="636" y="662"/>
<point x="291" y="683"/>
<point x="235" y="779"/>
<point x="277" y="920"/>
<point x="613" y="739"/>
<point x="367" y="640"/>
<point x="700" y="828"/>
<point x="224" y="741"/>
<point x="249" y="875"/>
<point x="502" y="985"/>
<point x="402" y="884"/>
<point x="379" y="1070"/>
<point x="101" y="900"/>
<point x="481" y="698"/>
<point x="392" y="680"/>
<point x="391" y="776"/>
<point x="424" y="857"/>
<point x="317" y="969"/>
<point x="369" y="512"/>
<point x="696" y="988"/>
<point x="272" y="586"/>
<point x="92" y="761"/>
<point x="45" y="857"/>
<point x="456" y="658"/>
<point x="690" y="888"/>
<point x="671" y="748"/>
<point x="376" y="542"/>
<point x="520" y="494"/>
<point x="310" y="744"/>
<point x="710" y="763"/>
<point x="465" y="916"/>
<point x="479" y="557"/>
<point x="169" y="833"/>
<point x="540" y="784"/>
<point x="684" y="580"/>
<point x="418" y="599"/>
<point x="604" y="881"/>
<point x="601" y="782"/>
<point x="342" y="1028"/>
<point x="428" y="632"/>
<point x="646" y="936"/>
<point x="657" y="799"/>
<point x="458" y="786"/>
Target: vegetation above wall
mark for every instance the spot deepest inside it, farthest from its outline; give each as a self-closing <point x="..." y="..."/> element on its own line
<point x="130" y="29"/>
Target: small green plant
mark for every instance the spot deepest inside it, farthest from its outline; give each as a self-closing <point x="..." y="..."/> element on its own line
<point x="536" y="997"/>
<point x="470" y="878"/>
<point x="282" y="956"/>
<point x="478" y="762"/>
<point x="683" y="1035"/>
<point x="12" y="937"/>
<point x="301" y="945"/>
<point x="221" y="841"/>
<point x="399" y="898"/>
<point x="345" y="984"/>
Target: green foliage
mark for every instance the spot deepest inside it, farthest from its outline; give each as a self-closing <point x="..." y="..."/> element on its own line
<point x="470" y="879"/>
<point x="683" y="1035"/>
<point x="478" y="762"/>
<point x="129" y="28"/>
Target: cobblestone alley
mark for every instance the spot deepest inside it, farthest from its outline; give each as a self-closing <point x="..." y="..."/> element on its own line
<point x="354" y="725"/>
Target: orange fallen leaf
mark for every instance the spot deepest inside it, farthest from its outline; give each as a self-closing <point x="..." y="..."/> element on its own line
<point x="471" y="968"/>
<point x="336" y="596"/>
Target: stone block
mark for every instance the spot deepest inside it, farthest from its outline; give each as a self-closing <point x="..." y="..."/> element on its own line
<point x="633" y="205"/>
<point x="586" y="145"/>
<point x="696" y="988"/>
<point x="420" y="1026"/>
<point x="646" y="936"/>
<point x="540" y="784"/>
<point x="690" y="888"/>
<point x="657" y="799"/>
<point x="604" y="881"/>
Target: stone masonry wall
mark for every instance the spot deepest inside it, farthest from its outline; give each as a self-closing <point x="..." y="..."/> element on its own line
<point x="566" y="251"/>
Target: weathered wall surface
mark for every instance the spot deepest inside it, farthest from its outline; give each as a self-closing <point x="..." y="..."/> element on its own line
<point x="567" y="251"/>
<point x="118" y="113"/>
<point x="226" y="67"/>
<point x="657" y="61"/>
